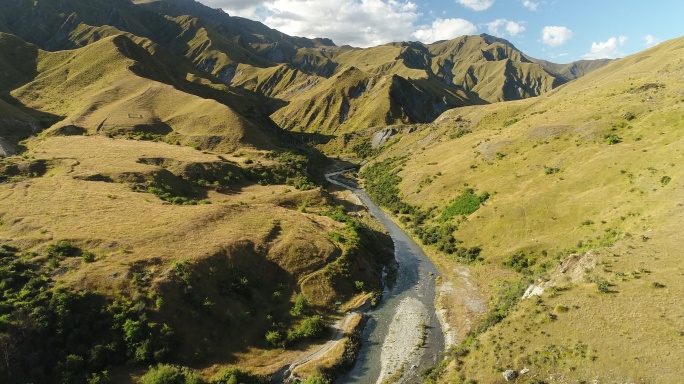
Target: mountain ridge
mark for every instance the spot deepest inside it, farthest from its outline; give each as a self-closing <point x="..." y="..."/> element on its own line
<point x="218" y="44"/>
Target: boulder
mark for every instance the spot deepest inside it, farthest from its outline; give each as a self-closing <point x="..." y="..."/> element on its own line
<point x="510" y="375"/>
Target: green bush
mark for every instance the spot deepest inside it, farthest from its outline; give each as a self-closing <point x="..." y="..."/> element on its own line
<point x="61" y="249"/>
<point x="510" y="122"/>
<point x="382" y="185"/>
<point x="365" y="150"/>
<point x="315" y="380"/>
<point x="310" y="328"/>
<point x="237" y="376"/>
<point x="88" y="257"/>
<point x="76" y="335"/>
<point x="300" y="305"/>
<point x="465" y="204"/>
<point x="612" y="139"/>
<point x="170" y="374"/>
<point x="274" y="338"/>
<point x="521" y="262"/>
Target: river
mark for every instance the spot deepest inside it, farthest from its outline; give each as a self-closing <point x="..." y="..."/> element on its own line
<point x="403" y="334"/>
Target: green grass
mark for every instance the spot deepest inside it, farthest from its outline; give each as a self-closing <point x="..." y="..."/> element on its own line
<point x="465" y="204"/>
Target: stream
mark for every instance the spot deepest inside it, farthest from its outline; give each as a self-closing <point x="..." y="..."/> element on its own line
<point x="403" y="335"/>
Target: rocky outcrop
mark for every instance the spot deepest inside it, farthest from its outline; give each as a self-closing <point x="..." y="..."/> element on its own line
<point x="6" y="149"/>
<point x="382" y="137"/>
<point x="510" y="375"/>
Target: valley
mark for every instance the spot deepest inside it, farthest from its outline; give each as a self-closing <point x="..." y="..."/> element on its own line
<point x="192" y="197"/>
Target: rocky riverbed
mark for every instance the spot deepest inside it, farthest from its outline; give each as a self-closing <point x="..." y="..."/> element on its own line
<point x="403" y="334"/>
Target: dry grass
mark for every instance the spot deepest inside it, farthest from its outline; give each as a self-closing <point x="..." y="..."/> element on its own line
<point x="254" y="228"/>
<point x="555" y="180"/>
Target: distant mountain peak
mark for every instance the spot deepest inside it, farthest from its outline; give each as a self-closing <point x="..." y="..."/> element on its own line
<point x="493" y="39"/>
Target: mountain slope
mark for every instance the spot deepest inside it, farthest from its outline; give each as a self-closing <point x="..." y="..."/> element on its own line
<point x="465" y="71"/>
<point x="153" y="252"/>
<point x="577" y="192"/>
<point x="116" y="86"/>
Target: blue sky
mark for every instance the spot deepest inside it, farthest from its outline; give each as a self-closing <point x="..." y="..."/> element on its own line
<point x="557" y="30"/>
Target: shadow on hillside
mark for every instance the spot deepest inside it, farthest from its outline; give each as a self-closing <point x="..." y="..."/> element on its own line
<point x="225" y="304"/>
<point x="15" y="129"/>
<point x="311" y="139"/>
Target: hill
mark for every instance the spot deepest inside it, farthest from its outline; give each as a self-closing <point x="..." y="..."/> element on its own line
<point x="576" y="193"/>
<point x="154" y="212"/>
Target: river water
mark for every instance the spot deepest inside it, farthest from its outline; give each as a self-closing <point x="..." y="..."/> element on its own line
<point x="407" y="306"/>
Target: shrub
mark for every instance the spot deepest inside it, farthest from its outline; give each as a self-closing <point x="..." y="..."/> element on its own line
<point x="274" y="339"/>
<point x="551" y="170"/>
<point x="311" y="327"/>
<point x="364" y="149"/>
<point x="561" y="309"/>
<point x="237" y="376"/>
<point x="88" y="257"/>
<point x="612" y="139"/>
<point x="61" y="249"/>
<point x="336" y="237"/>
<point x="510" y="122"/>
<point x="382" y="185"/>
<point x="300" y="305"/>
<point x="170" y="374"/>
<point x="521" y="262"/>
<point x="315" y="380"/>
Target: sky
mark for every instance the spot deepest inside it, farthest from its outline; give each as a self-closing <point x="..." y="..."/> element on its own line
<point x="560" y="31"/>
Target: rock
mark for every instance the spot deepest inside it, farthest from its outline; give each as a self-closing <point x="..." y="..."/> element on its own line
<point x="524" y="371"/>
<point x="6" y="149"/>
<point x="510" y="375"/>
<point x="382" y="137"/>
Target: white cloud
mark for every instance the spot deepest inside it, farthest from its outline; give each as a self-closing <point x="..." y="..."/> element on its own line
<point x="242" y="8"/>
<point x="650" y="41"/>
<point x="510" y="28"/>
<point x="531" y="5"/>
<point x="476" y="5"/>
<point x="555" y="36"/>
<point x="444" y="29"/>
<point x="609" y="49"/>
<point x="360" y="23"/>
<point x="558" y="55"/>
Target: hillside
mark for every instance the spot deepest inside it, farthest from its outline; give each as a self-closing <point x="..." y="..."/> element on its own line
<point x="154" y="213"/>
<point x="575" y="191"/>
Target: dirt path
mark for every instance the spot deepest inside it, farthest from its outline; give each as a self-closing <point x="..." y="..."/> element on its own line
<point x="340" y="329"/>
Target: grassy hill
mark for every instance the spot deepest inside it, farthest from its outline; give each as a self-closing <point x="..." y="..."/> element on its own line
<point x="575" y="191"/>
<point x="124" y="245"/>
<point x="402" y="83"/>
<point x="115" y="86"/>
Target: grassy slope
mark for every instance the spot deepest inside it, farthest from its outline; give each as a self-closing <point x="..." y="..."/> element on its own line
<point x="84" y="194"/>
<point x="104" y="86"/>
<point x="391" y="84"/>
<point x="82" y="189"/>
<point x="558" y="187"/>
